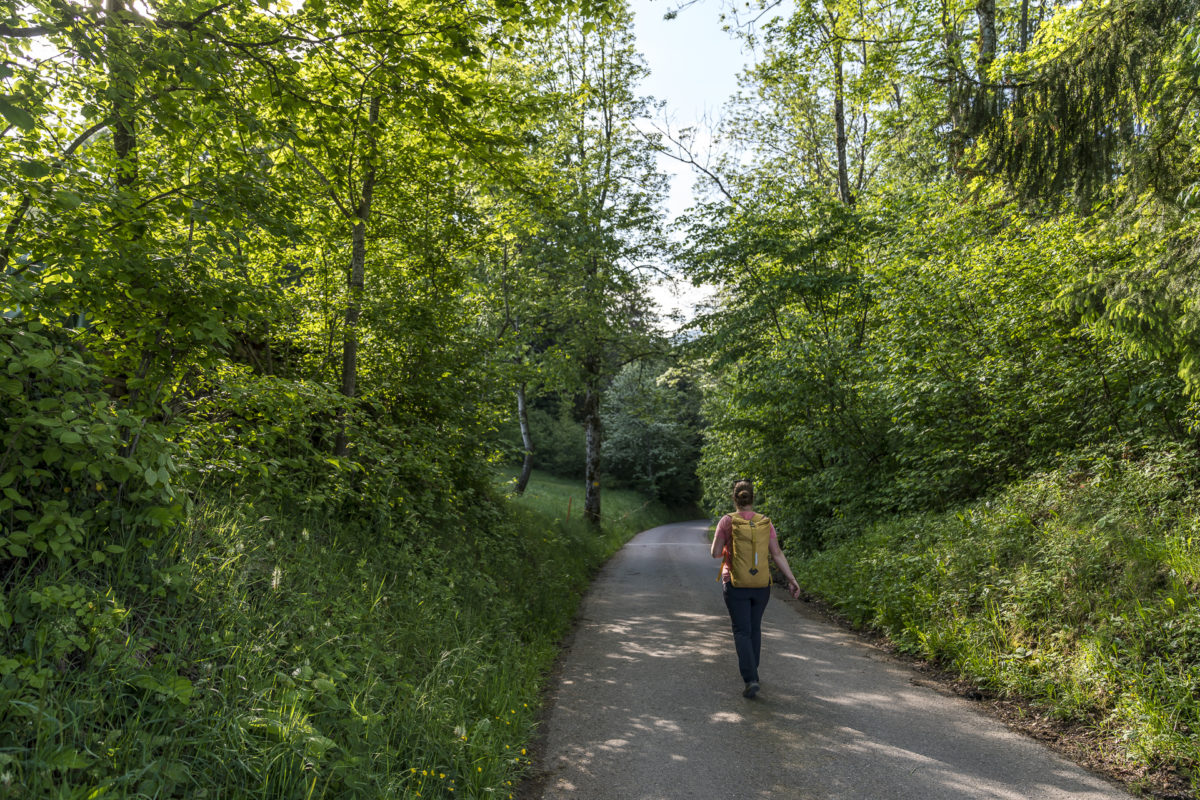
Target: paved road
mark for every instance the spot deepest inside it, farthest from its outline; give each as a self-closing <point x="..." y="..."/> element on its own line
<point x="649" y="704"/>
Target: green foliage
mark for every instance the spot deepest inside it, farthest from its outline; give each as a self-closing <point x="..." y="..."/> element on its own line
<point x="1076" y="588"/>
<point x="917" y="340"/>
<point x="1101" y="103"/>
<point x="1105" y="115"/>
<point x="558" y="442"/>
<point x="297" y="653"/>
<point x="558" y="439"/>
<point x="918" y="358"/>
<point x="787" y="406"/>
<point x="88" y="489"/>
<point x="987" y="372"/>
<point x="651" y="416"/>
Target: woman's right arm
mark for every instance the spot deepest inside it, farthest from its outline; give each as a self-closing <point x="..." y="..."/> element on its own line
<point x="720" y="538"/>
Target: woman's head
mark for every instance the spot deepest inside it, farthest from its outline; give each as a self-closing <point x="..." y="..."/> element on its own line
<point x="743" y="493"/>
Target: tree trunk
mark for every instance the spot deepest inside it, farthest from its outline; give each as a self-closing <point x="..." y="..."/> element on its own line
<point x="120" y="71"/>
<point x="526" y="439"/>
<point x="358" y="260"/>
<point x="985" y="13"/>
<point x="954" y="96"/>
<point x="1024" y="25"/>
<point x="121" y="62"/>
<point x="357" y="279"/>
<point x="1023" y="39"/>
<point x="591" y="472"/>
<point x="985" y="96"/>
<point x="839" y="118"/>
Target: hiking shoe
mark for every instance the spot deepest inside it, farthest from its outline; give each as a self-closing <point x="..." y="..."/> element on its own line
<point x="751" y="689"/>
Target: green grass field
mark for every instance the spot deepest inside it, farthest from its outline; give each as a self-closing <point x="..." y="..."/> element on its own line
<point x="561" y="500"/>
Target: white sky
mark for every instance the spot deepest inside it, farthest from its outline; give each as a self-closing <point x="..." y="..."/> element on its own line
<point x="693" y="67"/>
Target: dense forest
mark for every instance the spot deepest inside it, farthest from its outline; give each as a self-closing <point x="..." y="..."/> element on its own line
<point x="296" y="296"/>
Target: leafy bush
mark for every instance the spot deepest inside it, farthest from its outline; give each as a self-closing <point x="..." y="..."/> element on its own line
<point x="558" y="442"/>
<point x="920" y="353"/>
<point x="652" y="424"/>
<point x="87" y="493"/>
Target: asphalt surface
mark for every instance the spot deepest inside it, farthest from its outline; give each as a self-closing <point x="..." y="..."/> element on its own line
<point x="649" y="705"/>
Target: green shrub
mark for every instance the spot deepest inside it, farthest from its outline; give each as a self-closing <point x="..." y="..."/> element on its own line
<point x="558" y="443"/>
<point x="651" y="416"/>
<point x="87" y="495"/>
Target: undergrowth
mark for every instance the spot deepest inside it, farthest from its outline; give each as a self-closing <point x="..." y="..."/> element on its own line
<point x="1078" y="589"/>
<point x="289" y="654"/>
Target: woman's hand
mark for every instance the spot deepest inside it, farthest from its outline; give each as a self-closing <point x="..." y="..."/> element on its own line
<point x="784" y="567"/>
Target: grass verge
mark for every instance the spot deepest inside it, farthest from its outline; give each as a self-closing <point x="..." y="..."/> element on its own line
<point x="291" y="655"/>
<point x="1078" y="590"/>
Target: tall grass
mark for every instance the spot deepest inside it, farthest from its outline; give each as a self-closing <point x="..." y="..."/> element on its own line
<point x="304" y="656"/>
<point x="1077" y="588"/>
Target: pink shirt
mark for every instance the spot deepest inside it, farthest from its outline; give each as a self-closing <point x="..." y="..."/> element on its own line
<point x="724" y="530"/>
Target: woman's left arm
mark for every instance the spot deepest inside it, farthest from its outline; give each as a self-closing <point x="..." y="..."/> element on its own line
<point x="782" y="562"/>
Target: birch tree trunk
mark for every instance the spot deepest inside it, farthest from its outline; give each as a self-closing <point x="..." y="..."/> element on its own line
<point x="985" y="14"/>
<point x="526" y="439"/>
<point x="954" y="94"/>
<point x="839" y="119"/>
<point x="985" y="97"/>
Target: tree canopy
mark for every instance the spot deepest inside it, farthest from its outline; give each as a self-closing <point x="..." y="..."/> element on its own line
<point x="339" y="261"/>
<point x="949" y="240"/>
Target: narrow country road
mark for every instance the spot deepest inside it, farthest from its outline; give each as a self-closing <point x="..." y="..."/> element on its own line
<point x="649" y="705"/>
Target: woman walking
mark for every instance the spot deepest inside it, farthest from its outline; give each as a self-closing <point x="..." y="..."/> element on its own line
<point x="743" y="540"/>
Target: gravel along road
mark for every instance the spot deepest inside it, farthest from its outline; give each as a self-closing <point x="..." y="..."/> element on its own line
<point x="649" y="704"/>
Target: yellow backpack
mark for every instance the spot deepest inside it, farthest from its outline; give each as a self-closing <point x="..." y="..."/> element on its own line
<point x="748" y="543"/>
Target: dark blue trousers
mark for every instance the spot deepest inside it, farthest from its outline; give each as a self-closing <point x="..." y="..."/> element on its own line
<point x="746" y="607"/>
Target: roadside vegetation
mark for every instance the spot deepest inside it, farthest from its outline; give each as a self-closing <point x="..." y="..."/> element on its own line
<point x="1077" y="589"/>
<point x="255" y="651"/>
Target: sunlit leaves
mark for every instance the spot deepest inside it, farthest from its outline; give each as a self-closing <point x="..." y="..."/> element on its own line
<point x="15" y="115"/>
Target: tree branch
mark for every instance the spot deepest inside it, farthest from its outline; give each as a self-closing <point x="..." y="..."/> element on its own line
<point x="320" y="176"/>
<point x="684" y="155"/>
